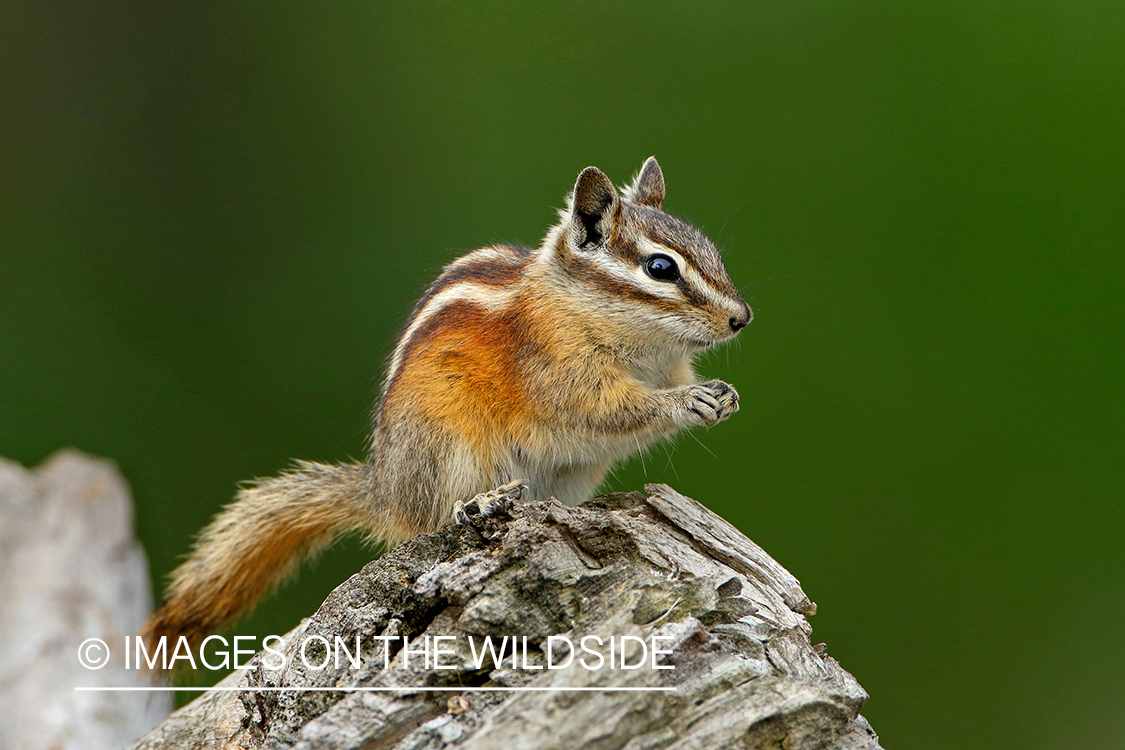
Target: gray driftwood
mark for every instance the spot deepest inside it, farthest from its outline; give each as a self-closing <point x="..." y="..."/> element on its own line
<point x="70" y="569"/>
<point x="746" y="674"/>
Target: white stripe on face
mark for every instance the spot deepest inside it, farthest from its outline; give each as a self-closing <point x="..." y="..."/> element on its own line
<point x="635" y="275"/>
<point x="694" y="279"/>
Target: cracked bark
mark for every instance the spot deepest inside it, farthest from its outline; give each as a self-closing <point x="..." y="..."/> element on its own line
<point x="745" y="673"/>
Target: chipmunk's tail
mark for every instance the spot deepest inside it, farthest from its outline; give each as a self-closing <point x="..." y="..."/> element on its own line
<point x="255" y="542"/>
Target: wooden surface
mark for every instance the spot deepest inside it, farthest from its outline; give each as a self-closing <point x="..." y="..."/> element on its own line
<point x="745" y="672"/>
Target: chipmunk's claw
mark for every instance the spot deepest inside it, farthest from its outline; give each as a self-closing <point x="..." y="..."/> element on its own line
<point x="491" y="504"/>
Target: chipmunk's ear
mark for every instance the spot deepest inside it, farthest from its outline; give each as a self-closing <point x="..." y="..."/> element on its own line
<point x="593" y="207"/>
<point x="648" y="187"/>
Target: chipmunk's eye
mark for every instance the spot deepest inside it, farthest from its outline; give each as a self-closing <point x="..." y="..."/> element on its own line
<point x="662" y="268"/>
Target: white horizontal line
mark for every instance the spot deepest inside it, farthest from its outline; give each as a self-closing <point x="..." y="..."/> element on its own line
<point x="374" y="689"/>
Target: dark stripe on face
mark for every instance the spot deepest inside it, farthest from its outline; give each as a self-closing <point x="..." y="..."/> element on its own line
<point x="693" y="295"/>
<point x="701" y="254"/>
<point x="689" y="242"/>
<point x="582" y="268"/>
<point x="626" y="250"/>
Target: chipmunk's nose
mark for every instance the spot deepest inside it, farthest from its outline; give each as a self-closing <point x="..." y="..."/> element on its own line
<point x="738" y="322"/>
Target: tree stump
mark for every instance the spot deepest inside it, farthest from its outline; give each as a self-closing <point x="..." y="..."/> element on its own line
<point x="739" y="668"/>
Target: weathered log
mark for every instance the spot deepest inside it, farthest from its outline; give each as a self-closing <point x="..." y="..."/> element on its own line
<point x="744" y="672"/>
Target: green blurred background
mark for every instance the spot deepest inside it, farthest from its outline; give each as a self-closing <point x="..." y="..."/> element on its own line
<point x="214" y="217"/>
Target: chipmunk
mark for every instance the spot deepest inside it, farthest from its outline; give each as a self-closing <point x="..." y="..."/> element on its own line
<point x="531" y="370"/>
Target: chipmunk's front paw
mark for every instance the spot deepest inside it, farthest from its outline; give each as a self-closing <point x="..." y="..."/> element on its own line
<point x="488" y="504"/>
<point x="712" y="402"/>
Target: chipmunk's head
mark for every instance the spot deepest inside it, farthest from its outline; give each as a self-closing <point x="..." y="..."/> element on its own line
<point x="636" y="264"/>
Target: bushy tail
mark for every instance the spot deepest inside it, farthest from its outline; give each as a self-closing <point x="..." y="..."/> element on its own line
<point x="255" y="542"/>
